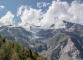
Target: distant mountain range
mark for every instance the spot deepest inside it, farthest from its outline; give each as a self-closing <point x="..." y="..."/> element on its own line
<point x="55" y="44"/>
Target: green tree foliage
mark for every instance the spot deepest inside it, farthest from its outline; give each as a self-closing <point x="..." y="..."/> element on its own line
<point x="14" y="56"/>
<point x="12" y="51"/>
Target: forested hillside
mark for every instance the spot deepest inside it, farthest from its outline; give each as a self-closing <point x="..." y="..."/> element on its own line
<point x="12" y="51"/>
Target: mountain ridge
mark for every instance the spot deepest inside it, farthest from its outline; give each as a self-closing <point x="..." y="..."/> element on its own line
<point x="48" y="42"/>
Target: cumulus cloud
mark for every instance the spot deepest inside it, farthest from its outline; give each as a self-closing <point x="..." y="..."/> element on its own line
<point x="7" y="19"/>
<point x="29" y="16"/>
<point x="56" y="9"/>
<point x="42" y="4"/>
<point x="56" y="13"/>
<point x="1" y="7"/>
<point x="21" y="9"/>
<point x="63" y="11"/>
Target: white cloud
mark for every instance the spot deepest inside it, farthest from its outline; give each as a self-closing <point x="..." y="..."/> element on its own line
<point x="29" y="16"/>
<point x="76" y="12"/>
<point x="7" y="19"/>
<point x="42" y="4"/>
<point x="21" y="9"/>
<point x="1" y="7"/>
<point x="56" y="9"/>
<point x="62" y="10"/>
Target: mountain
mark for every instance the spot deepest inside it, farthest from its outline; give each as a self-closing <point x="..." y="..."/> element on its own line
<point x="12" y="51"/>
<point x="34" y="38"/>
<point x="54" y="44"/>
<point x="17" y="34"/>
<point x="66" y="44"/>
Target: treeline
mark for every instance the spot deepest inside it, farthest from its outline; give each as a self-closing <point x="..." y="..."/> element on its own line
<point x="12" y="51"/>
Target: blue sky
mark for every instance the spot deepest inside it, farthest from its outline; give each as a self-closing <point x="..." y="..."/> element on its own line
<point x="29" y="11"/>
<point x="12" y="5"/>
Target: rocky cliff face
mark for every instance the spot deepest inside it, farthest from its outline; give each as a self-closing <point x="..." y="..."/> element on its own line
<point x="66" y="50"/>
<point x="69" y="51"/>
<point x="66" y="44"/>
